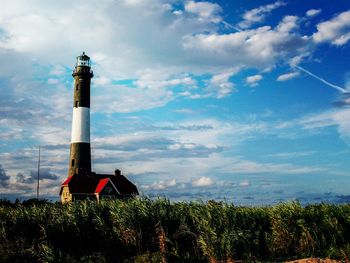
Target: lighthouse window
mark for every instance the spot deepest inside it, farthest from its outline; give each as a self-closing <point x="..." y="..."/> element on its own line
<point x="72" y="162"/>
<point x="77" y="87"/>
<point x="76" y="104"/>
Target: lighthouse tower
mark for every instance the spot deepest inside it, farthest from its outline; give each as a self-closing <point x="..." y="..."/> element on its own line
<point x="80" y="151"/>
<point x="82" y="183"/>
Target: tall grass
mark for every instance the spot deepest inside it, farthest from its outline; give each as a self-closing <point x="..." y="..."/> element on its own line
<point x="142" y="230"/>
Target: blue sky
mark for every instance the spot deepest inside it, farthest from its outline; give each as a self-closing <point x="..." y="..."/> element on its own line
<point x="242" y="101"/>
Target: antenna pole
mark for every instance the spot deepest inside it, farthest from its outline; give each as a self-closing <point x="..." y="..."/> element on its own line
<point x="37" y="186"/>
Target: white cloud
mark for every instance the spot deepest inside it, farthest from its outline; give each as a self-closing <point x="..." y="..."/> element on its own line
<point x="287" y="24"/>
<point x="257" y="15"/>
<point x="239" y="166"/>
<point x="244" y="183"/>
<point x="175" y="153"/>
<point x="257" y="48"/>
<point x="122" y="47"/>
<point x="160" y="185"/>
<point x="52" y="81"/>
<point x="176" y="150"/>
<point x="203" y="182"/>
<point x="155" y="80"/>
<point x="253" y="81"/>
<point x="288" y="155"/>
<point x="288" y="76"/>
<point x="335" y="31"/>
<point x="294" y="61"/>
<point x="57" y="71"/>
<point x="338" y="118"/>
<point x="187" y="111"/>
<point x="313" y="12"/>
<point x="133" y="2"/>
<point x="171" y="182"/>
<point x="342" y="40"/>
<point x="159" y="51"/>
<point x="206" y="11"/>
<point x="101" y="81"/>
<point x="221" y="85"/>
<point x="115" y="98"/>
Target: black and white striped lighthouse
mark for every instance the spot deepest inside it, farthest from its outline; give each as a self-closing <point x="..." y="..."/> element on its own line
<point x="80" y="151"/>
<point x="82" y="183"/>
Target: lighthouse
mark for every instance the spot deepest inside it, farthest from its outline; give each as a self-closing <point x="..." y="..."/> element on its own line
<point x="82" y="183"/>
<point x="80" y="150"/>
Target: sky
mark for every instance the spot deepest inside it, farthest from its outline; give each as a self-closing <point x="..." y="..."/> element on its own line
<point x="243" y="101"/>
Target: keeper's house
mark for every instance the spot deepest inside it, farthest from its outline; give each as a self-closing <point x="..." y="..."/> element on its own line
<point x="97" y="187"/>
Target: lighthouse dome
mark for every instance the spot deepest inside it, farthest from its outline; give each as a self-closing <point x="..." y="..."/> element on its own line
<point x="83" y="60"/>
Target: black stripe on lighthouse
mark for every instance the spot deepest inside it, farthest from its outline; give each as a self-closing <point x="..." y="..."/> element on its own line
<point x="80" y="151"/>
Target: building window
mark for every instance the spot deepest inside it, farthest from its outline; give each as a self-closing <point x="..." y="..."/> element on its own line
<point x="72" y="162"/>
<point x="76" y="104"/>
<point x="77" y="87"/>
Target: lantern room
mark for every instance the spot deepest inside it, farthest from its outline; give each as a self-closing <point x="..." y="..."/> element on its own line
<point x="83" y="60"/>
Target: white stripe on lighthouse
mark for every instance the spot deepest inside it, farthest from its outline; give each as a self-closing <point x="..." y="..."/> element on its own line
<point x="81" y="125"/>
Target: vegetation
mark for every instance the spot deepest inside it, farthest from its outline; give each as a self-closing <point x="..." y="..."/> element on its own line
<point x="142" y="230"/>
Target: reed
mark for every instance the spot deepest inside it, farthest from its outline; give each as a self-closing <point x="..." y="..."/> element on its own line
<point x="144" y="230"/>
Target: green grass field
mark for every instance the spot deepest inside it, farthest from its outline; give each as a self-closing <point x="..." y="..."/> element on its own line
<point x="142" y="230"/>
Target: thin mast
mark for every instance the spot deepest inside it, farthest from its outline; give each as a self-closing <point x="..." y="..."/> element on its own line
<point x="37" y="186"/>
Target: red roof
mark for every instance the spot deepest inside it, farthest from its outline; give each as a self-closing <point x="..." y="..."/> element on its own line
<point x="123" y="185"/>
<point x="94" y="183"/>
<point x="101" y="185"/>
<point x="66" y="182"/>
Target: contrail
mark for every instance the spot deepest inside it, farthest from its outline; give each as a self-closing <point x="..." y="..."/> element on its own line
<point x="342" y="90"/>
<point x="229" y="26"/>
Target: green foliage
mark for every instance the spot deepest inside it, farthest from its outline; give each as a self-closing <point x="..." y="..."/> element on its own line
<point x="142" y="230"/>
